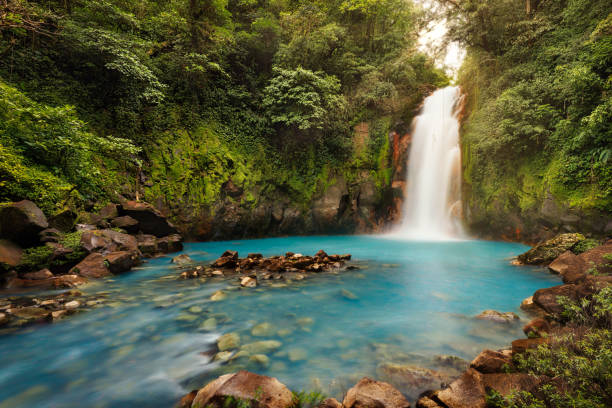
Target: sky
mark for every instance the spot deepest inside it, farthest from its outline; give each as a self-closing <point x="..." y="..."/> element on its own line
<point x="431" y="39"/>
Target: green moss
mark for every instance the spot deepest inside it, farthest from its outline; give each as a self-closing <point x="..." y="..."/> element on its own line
<point x="36" y="258"/>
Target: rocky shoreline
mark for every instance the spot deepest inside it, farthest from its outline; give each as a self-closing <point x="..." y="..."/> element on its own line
<point x="70" y="250"/>
<point x="492" y="371"/>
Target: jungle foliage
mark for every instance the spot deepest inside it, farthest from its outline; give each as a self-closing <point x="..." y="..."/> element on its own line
<point x="90" y="90"/>
<point x="539" y="82"/>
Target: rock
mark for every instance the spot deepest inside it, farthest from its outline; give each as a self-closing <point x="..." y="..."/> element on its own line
<point x="21" y="222"/>
<point x="187" y="400"/>
<point x="171" y="243"/>
<point x="548" y="251"/>
<point x="409" y="377"/>
<point x="3" y="319"/>
<point x="49" y="235"/>
<point x="536" y="327"/>
<point x="305" y="321"/>
<point x="297" y="354"/>
<point x="74" y="304"/>
<point x="108" y="241"/>
<point x="330" y="403"/>
<point x="528" y="305"/>
<point x="147" y="244"/>
<point x="150" y="220"/>
<point x="466" y="392"/>
<point x="218" y="295"/>
<point x="209" y="324"/>
<point x="63" y="221"/>
<point x="126" y="223"/>
<point x="522" y="345"/>
<point x="262" y="330"/>
<point x="182" y="259"/>
<point x="547" y="298"/>
<point x="10" y="254"/>
<point x="594" y="258"/>
<point x="489" y="361"/>
<point x="591" y="285"/>
<point x="506" y="384"/>
<point x="30" y="313"/>
<point x="248" y="282"/>
<point x="229" y="341"/>
<point x="427" y="402"/>
<point x="68" y="281"/>
<point x="38" y="275"/>
<point x="223" y="356"/>
<point x="451" y="361"/>
<point x="255" y="256"/>
<point x="347" y="294"/>
<point x="93" y="266"/>
<point x="58" y="314"/>
<point x="259" y="390"/>
<point x="122" y="261"/>
<point x="261" y="347"/>
<point x="229" y="259"/>
<point x="571" y="268"/>
<point x="109" y="211"/>
<point x="498" y="317"/>
<point x="260" y="359"/>
<point x="369" y="393"/>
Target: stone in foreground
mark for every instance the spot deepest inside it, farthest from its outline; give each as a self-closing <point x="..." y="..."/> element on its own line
<point x="258" y="390"/>
<point x="548" y="251"/>
<point x="369" y="393"/>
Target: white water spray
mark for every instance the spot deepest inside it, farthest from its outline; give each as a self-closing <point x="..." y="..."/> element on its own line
<point x="432" y="207"/>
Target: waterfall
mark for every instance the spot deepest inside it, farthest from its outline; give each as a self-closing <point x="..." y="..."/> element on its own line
<point x="432" y="205"/>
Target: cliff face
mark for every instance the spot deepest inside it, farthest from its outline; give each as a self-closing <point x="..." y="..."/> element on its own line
<point x="231" y="196"/>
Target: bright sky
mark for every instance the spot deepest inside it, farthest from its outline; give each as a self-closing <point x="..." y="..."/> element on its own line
<point x="431" y="40"/>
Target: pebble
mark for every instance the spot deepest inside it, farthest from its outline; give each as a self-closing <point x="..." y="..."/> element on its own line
<point x="262" y="329"/>
<point x="260" y="359"/>
<point x="195" y="309"/>
<point x="223" y="356"/>
<point x="209" y="324"/>
<point x="228" y="341"/>
<point x="297" y="354"/>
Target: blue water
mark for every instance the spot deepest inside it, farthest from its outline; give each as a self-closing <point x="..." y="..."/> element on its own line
<point x="410" y="302"/>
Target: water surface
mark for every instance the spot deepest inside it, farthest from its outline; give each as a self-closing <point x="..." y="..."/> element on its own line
<point x="152" y="343"/>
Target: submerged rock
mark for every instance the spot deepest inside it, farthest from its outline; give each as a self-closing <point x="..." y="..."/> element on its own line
<point x="229" y="341"/>
<point x="261" y="347"/>
<point x="248" y="282"/>
<point x="182" y="259"/>
<point x="499" y="317"/>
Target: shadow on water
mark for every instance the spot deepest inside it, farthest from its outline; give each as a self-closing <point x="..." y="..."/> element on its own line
<point x="408" y="305"/>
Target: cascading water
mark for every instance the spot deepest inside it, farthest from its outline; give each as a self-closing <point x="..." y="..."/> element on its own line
<point x="432" y="208"/>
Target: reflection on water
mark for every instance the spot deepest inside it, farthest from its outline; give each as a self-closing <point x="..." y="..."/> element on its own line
<point x="400" y="316"/>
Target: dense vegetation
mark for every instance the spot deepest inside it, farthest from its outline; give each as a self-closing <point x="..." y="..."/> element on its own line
<point x="170" y="99"/>
<point x="539" y="132"/>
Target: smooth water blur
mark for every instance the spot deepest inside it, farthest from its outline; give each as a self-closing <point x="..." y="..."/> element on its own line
<point x="433" y="190"/>
<point x="411" y="302"/>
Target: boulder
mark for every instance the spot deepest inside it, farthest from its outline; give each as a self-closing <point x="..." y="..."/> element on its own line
<point x="63" y="221"/>
<point x="571" y="267"/>
<point x="489" y="361"/>
<point x="109" y="211"/>
<point x="548" y="251"/>
<point x="126" y="223"/>
<point x="187" y="400"/>
<point x="468" y="391"/>
<point x="229" y="259"/>
<point x="330" y="403"/>
<point x="38" y="275"/>
<point x="21" y="222"/>
<point x="56" y="282"/>
<point x="258" y="390"/>
<point x="522" y="345"/>
<point x="108" y="241"/>
<point x="171" y="243"/>
<point x="49" y="235"/>
<point x="121" y="261"/>
<point x="93" y="266"/>
<point x="10" y="254"/>
<point x="536" y="327"/>
<point x="498" y="317"/>
<point x="594" y="258"/>
<point x="368" y="393"/>
<point x="547" y="298"/>
<point x="150" y="220"/>
<point x="147" y="244"/>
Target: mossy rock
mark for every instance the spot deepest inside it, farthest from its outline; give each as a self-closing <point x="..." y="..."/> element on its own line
<point x="548" y="251"/>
